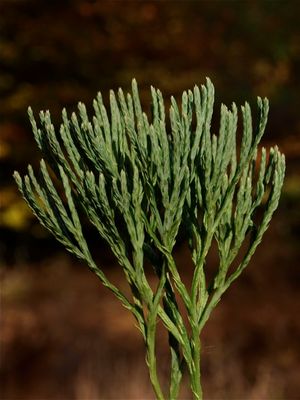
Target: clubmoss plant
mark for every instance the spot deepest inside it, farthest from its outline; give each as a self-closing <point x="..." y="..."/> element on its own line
<point x="139" y="181"/>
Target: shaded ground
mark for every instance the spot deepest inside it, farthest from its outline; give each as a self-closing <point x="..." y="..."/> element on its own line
<point x="65" y="337"/>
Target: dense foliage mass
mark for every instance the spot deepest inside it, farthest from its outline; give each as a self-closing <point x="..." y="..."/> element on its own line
<point x="139" y="180"/>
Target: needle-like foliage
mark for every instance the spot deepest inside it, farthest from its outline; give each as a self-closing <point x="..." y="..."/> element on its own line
<point x="140" y="181"/>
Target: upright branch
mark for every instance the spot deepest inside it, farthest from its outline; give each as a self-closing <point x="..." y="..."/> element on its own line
<point x="139" y="181"/>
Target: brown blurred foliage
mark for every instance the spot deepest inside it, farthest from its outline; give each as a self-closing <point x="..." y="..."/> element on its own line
<point x="54" y="54"/>
<point x="63" y="335"/>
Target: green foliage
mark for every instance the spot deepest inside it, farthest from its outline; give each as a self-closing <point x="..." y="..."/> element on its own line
<point x="140" y="181"/>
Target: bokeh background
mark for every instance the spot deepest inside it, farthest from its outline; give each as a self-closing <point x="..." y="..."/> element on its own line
<point x="62" y="335"/>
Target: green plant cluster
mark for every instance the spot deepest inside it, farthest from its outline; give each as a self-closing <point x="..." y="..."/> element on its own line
<point x="140" y="181"/>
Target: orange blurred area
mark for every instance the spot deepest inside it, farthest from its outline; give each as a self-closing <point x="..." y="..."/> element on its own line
<point x="63" y="336"/>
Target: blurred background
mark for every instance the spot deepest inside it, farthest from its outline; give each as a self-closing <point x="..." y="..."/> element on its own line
<point x="62" y="334"/>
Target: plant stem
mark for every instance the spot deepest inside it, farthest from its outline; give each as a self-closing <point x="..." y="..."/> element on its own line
<point x="151" y="336"/>
<point x="153" y="369"/>
<point x="196" y="374"/>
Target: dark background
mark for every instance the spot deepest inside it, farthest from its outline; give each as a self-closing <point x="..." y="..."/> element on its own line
<point x="62" y="335"/>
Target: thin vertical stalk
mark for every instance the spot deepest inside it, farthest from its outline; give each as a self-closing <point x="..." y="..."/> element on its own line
<point x="196" y="376"/>
<point x="151" y="360"/>
<point x="151" y="336"/>
<point x="195" y="367"/>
